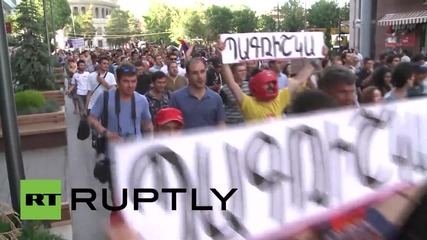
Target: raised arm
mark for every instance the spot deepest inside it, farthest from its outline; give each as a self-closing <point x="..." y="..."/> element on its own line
<point x="228" y="77"/>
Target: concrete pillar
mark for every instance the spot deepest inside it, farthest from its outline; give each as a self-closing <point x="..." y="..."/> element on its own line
<point x="365" y="28"/>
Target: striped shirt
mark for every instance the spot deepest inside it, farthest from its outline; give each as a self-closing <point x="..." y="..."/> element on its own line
<point x="232" y="110"/>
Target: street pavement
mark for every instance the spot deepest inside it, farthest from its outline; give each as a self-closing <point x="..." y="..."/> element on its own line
<point x="86" y="224"/>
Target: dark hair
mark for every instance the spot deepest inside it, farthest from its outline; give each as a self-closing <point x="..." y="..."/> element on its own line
<point x="157" y="75"/>
<point x="335" y="75"/>
<point x="390" y="58"/>
<point x="368" y="94"/>
<point x="138" y="63"/>
<point x="81" y="61"/>
<point x="418" y="57"/>
<point x="134" y="53"/>
<point x="366" y="60"/>
<point x="125" y="68"/>
<point x="312" y="100"/>
<point x="378" y="79"/>
<point x="172" y="54"/>
<point x="384" y="55"/>
<point x="191" y="62"/>
<point x="170" y="63"/>
<point x="102" y="58"/>
<point x="236" y="65"/>
<point x="255" y="71"/>
<point x="401" y="73"/>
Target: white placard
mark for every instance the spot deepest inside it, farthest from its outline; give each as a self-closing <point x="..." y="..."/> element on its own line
<point x="264" y="46"/>
<point x="78" y="42"/>
<point x="284" y="171"/>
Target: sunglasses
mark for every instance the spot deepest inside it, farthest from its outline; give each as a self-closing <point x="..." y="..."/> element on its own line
<point x="128" y="69"/>
<point x="173" y="59"/>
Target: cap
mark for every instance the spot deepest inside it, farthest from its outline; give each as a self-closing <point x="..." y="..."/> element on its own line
<point x="166" y="115"/>
<point x="420" y="69"/>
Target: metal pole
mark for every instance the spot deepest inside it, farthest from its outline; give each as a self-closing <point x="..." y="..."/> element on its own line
<point x="53" y="24"/>
<point x="365" y="28"/>
<point x="278" y="16"/>
<point x="9" y="122"/>
<point x="305" y="15"/>
<point x="47" y="28"/>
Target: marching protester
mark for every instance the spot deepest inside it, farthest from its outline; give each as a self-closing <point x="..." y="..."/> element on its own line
<point x="79" y="83"/>
<point x="167" y="100"/>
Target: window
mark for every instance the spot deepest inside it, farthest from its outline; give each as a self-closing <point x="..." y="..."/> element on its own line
<point x="99" y="31"/>
<point x="106" y="12"/>
<point x="100" y="43"/>
<point x="96" y="13"/>
<point x="75" y="11"/>
<point x="103" y="12"/>
<point x="83" y="10"/>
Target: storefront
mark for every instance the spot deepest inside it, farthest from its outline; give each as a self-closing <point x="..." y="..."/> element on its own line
<point x="403" y="30"/>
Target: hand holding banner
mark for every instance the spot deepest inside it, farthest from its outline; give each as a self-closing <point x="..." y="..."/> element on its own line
<point x="265" y="46"/>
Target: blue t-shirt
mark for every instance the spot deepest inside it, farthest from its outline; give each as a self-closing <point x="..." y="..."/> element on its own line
<point x="206" y="112"/>
<point x="127" y="125"/>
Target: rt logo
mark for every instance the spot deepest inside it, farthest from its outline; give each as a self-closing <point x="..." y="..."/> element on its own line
<point x="40" y="200"/>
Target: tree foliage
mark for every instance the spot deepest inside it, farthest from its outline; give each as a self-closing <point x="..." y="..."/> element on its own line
<point x="120" y="26"/>
<point x="208" y="22"/>
<point x="84" y="26"/>
<point x="219" y="20"/>
<point x="293" y="16"/>
<point x="324" y="14"/>
<point x="30" y="63"/>
<point x="159" y="20"/>
<point x="61" y="14"/>
<point x="345" y="11"/>
<point x="244" y="21"/>
<point x="266" y="23"/>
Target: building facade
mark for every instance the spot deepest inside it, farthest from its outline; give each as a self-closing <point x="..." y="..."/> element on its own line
<point x="8" y="7"/>
<point x="101" y="10"/>
<point x="400" y="24"/>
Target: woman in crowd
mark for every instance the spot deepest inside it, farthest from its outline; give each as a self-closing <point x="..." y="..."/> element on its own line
<point x="381" y="78"/>
<point x="371" y="95"/>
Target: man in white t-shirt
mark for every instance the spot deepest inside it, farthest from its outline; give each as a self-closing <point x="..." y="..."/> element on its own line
<point x="79" y="83"/>
<point x="99" y="81"/>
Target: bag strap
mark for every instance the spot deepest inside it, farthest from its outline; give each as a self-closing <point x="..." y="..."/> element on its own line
<point x="104" y="118"/>
<point x="99" y="84"/>
<point x="133" y="110"/>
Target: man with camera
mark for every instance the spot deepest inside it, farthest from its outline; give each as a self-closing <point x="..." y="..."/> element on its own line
<point x="124" y="114"/>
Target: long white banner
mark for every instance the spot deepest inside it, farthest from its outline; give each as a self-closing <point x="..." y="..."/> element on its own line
<point x="265" y="46"/>
<point x="283" y="171"/>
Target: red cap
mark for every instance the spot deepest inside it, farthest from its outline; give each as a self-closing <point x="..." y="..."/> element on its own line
<point x="166" y="115"/>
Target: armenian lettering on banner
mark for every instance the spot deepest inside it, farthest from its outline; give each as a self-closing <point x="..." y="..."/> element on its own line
<point x="271" y="174"/>
<point x="264" y="46"/>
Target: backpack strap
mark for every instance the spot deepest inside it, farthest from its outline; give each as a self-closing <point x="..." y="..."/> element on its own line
<point x="133" y="111"/>
<point x="104" y="118"/>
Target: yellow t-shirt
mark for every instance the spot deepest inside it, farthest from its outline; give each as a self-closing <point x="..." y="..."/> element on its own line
<point x="256" y="110"/>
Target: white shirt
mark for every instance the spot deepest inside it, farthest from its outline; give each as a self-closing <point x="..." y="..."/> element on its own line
<point x="80" y="79"/>
<point x="93" y="83"/>
<point x="181" y="71"/>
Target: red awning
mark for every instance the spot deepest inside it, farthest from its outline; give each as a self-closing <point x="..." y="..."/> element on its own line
<point x="403" y="18"/>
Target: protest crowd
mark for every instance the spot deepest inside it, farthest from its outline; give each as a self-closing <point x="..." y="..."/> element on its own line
<point x="128" y="93"/>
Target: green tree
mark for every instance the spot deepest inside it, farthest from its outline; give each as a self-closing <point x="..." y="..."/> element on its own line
<point x="244" y="20"/>
<point x="159" y="20"/>
<point x="190" y="23"/>
<point x="219" y="20"/>
<point x="120" y="27"/>
<point x="30" y="63"/>
<point x="324" y="14"/>
<point x="345" y="12"/>
<point x="83" y="24"/>
<point x="292" y="13"/>
<point x="266" y="23"/>
<point x="61" y="13"/>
